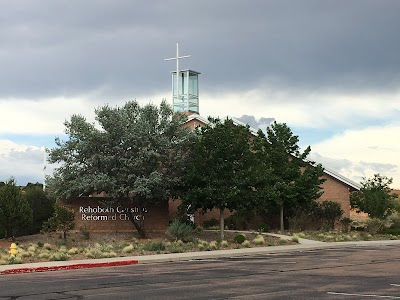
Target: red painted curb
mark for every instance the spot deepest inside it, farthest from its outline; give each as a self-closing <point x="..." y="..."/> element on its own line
<point x="69" y="267"/>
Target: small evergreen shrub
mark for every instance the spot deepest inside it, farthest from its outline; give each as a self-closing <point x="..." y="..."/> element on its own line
<point x="239" y="238"/>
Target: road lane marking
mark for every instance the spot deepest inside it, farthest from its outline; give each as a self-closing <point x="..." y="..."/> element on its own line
<point x="364" y="295"/>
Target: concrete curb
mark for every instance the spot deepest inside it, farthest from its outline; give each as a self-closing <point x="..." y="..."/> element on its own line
<point x="69" y="266"/>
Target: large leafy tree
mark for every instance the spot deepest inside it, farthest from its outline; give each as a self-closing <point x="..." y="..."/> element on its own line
<point x="134" y="153"/>
<point x="375" y="197"/>
<point x="15" y="212"/>
<point x="219" y="173"/>
<point x="286" y="179"/>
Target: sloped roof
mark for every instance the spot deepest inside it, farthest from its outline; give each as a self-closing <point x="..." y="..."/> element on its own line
<point x="330" y="172"/>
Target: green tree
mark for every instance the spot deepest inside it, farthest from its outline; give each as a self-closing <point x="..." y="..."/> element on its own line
<point x="41" y="205"/>
<point x="285" y="178"/>
<point x="375" y="197"/>
<point x="63" y="220"/>
<point x="330" y="212"/>
<point x="219" y="173"/>
<point x="15" y="212"/>
<point x="135" y="154"/>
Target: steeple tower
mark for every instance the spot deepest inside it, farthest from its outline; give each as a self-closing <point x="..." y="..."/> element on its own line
<point x="185" y="87"/>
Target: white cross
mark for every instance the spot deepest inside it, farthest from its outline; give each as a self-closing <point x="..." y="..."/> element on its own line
<point x="177" y="58"/>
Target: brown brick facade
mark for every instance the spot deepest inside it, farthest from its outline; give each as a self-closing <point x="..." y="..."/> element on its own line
<point x="336" y="191"/>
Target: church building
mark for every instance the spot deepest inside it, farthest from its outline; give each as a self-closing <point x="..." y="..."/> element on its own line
<point x="93" y="214"/>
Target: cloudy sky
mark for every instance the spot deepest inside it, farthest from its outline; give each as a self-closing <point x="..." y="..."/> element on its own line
<point x="329" y="69"/>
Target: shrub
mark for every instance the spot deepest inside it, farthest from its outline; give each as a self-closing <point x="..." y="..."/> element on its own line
<point x="375" y="225"/>
<point x="62" y="220"/>
<point x="128" y="249"/>
<point x="330" y="212"/>
<point x="345" y="222"/>
<point x="47" y="246"/>
<point x="246" y="244"/>
<point x="56" y="257"/>
<point x="213" y="245"/>
<point x="295" y="239"/>
<point x="44" y="254"/>
<point x="259" y="240"/>
<point x="239" y="238"/>
<point x="73" y="251"/>
<point x="282" y="241"/>
<point x="263" y="228"/>
<point x="173" y="247"/>
<point x="394" y="231"/>
<point x="85" y="234"/>
<point x="179" y="230"/>
<point x="154" y="246"/>
<point x="224" y="244"/>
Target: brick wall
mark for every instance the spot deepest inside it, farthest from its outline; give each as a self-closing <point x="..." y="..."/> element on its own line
<point x="337" y="191"/>
<point x="87" y="214"/>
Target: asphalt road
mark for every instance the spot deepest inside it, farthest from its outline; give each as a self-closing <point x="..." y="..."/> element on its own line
<point x="348" y="273"/>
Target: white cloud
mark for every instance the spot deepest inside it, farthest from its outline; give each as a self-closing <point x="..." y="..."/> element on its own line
<point x="312" y="109"/>
<point x="23" y="162"/>
<point x="362" y="153"/>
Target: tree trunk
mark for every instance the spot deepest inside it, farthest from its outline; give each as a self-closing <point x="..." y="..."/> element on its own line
<point x="282" y="224"/>
<point x="221" y="223"/>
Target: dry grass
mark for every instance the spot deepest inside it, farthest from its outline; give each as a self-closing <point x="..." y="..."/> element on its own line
<point x="45" y="247"/>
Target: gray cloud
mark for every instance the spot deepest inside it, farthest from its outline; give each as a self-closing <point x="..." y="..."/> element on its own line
<point x="261" y="123"/>
<point x="74" y="47"/>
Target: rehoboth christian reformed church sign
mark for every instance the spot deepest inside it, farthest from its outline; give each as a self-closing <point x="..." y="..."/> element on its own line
<point x="97" y="213"/>
<point x="109" y="213"/>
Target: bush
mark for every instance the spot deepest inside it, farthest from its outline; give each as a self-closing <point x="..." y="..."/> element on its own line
<point x="263" y="228"/>
<point x="154" y="246"/>
<point x="62" y="220"/>
<point x="345" y="222"/>
<point x="259" y="240"/>
<point x="246" y="244"/>
<point x="179" y="230"/>
<point x="330" y="212"/>
<point x="239" y="238"/>
<point x="85" y="234"/>
<point x="295" y="239"/>
<point x="394" y="231"/>
<point x="375" y="225"/>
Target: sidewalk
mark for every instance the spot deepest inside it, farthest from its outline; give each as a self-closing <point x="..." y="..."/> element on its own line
<point x="303" y="245"/>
